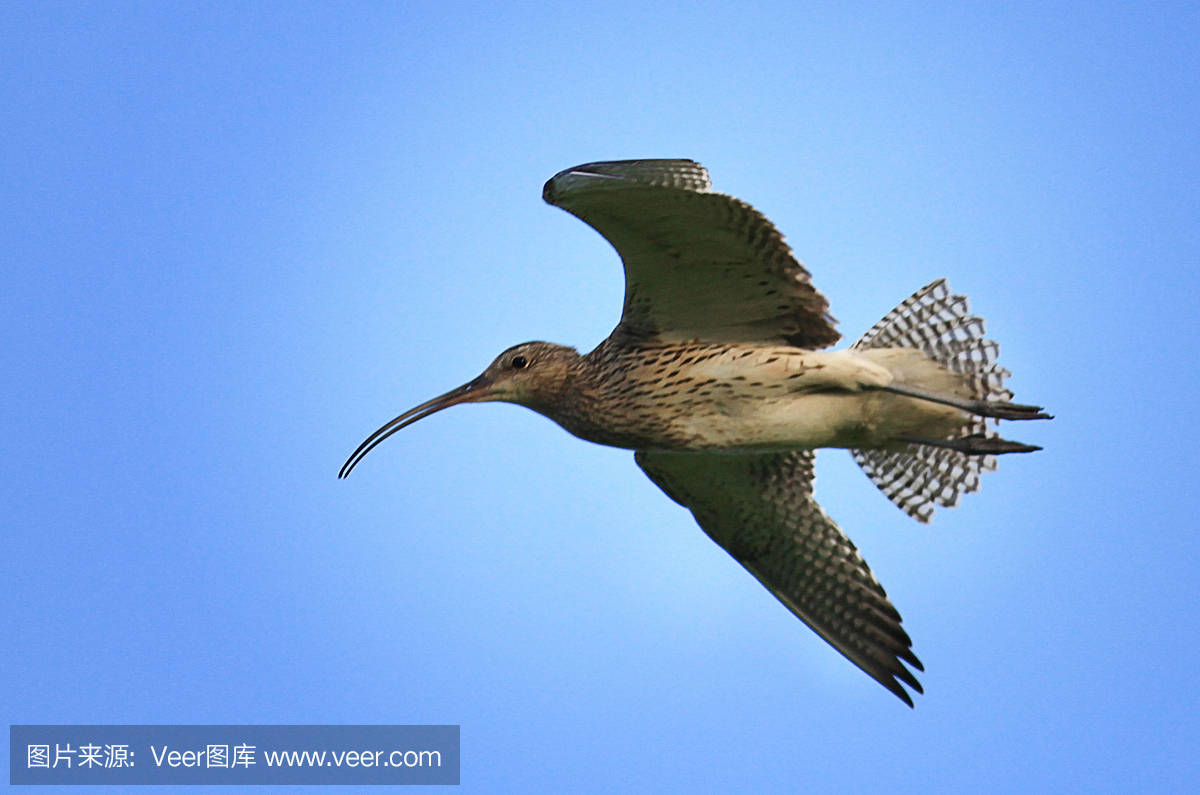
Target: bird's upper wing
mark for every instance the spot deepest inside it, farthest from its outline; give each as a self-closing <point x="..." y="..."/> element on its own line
<point x="760" y="509"/>
<point x="698" y="264"/>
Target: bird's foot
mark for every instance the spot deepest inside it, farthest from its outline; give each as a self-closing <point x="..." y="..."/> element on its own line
<point x="975" y="444"/>
<point x="984" y="408"/>
<point x="1008" y="411"/>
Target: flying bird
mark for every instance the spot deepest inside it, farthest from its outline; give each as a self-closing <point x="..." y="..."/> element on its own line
<point x="717" y="378"/>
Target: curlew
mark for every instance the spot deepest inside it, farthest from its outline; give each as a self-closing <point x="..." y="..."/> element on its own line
<point x="716" y="378"/>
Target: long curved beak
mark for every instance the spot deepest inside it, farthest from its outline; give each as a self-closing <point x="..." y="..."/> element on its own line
<point x="476" y="390"/>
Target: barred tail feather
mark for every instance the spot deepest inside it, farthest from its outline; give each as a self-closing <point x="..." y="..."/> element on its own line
<point x="939" y="324"/>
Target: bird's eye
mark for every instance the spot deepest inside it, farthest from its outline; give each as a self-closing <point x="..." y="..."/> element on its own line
<point x="519" y="362"/>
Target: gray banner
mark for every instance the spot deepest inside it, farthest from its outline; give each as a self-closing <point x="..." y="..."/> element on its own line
<point x="233" y="754"/>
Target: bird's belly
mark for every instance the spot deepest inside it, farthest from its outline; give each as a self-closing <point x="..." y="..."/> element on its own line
<point x="861" y="420"/>
<point x="795" y="422"/>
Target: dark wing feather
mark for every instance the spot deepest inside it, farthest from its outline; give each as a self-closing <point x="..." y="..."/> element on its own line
<point x="760" y="509"/>
<point x="698" y="264"/>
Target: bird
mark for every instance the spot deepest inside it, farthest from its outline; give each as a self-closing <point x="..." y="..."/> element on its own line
<point x="718" y="378"/>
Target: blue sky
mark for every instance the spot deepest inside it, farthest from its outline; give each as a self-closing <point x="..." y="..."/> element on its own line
<point x="237" y="239"/>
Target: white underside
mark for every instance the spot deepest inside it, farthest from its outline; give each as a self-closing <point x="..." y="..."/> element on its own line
<point x="788" y="399"/>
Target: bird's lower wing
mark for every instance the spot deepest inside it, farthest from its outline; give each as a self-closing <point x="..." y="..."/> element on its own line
<point x="760" y="509"/>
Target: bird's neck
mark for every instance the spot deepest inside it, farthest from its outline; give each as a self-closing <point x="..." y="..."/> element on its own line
<point x="595" y="400"/>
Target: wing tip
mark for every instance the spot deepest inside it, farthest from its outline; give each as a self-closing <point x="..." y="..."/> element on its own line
<point x="892" y="678"/>
<point x="678" y="173"/>
<point x="891" y="675"/>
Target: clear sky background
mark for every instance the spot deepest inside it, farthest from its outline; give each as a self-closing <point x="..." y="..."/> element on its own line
<point x="236" y="240"/>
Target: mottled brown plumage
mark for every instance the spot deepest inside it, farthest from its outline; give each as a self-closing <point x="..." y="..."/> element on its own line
<point x="716" y="378"/>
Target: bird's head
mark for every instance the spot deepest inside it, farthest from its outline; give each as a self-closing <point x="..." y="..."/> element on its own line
<point x="532" y="374"/>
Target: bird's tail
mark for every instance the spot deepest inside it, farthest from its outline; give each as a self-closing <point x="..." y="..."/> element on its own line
<point x="939" y="324"/>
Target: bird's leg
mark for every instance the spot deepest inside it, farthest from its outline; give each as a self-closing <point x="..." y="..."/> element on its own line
<point x="997" y="409"/>
<point x="975" y="444"/>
